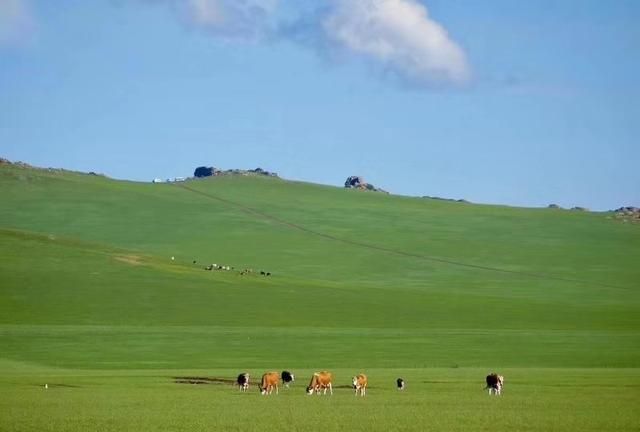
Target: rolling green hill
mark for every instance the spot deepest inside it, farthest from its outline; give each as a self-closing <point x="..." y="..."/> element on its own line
<point x="360" y="281"/>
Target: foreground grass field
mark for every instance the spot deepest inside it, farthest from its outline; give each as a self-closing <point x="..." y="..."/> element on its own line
<point x="440" y="293"/>
<point x="435" y="399"/>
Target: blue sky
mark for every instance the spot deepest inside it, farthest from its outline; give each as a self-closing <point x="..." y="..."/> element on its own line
<point x="518" y="103"/>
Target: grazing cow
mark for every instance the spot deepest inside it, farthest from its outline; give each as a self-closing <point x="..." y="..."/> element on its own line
<point x="400" y="383"/>
<point x="243" y="382"/>
<point x="360" y="384"/>
<point x="320" y="381"/>
<point x="269" y="382"/>
<point x="287" y="378"/>
<point x="495" y="383"/>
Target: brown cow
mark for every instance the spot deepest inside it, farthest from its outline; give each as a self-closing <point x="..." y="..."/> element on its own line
<point x="269" y="382"/>
<point x="320" y="381"/>
<point x="360" y="384"/>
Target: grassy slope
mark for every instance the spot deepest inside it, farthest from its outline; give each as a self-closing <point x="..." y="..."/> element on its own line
<point x="360" y="281"/>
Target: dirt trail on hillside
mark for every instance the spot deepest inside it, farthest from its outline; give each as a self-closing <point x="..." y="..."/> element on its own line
<point x="266" y="216"/>
<point x="130" y="259"/>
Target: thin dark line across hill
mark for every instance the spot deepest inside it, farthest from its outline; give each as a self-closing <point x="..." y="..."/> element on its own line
<point x="267" y="216"/>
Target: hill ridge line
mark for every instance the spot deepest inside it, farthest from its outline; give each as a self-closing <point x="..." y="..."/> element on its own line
<point x="276" y="219"/>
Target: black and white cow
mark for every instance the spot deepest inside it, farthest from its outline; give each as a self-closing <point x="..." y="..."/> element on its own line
<point x="287" y="378"/>
<point x="400" y="383"/>
<point x="243" y="382"/>
<point x="495" y="383"/>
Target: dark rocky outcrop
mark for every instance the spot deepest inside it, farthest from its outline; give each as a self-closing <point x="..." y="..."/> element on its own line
<point x="203" y="171"/>
<point x="263" y="172"/>
<point x="354" y="182"/>
<point x="628" y="210"/>
<point x="627" y="214"/>
<point x="357" y="182"/>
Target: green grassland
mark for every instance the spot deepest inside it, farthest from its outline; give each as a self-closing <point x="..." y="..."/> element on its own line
<point x="437" y="292"/>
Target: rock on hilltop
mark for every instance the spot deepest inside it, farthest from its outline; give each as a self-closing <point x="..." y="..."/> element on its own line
<point x="629" y="213"/>
<point x="26" y="166"/>
<point x="357" y="182"/>
<point x="213" y="171"/>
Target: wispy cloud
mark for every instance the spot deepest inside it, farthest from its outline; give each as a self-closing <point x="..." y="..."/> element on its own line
<point x="394" y="35"/>
<point x="16" y="22"/>
<point x="243" y="20"/>
<point x="401" y="36"/>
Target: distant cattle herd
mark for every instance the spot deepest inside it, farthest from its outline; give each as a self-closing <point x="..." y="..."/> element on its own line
<point x="224" y="267"/>
<point x="322" y="382"/>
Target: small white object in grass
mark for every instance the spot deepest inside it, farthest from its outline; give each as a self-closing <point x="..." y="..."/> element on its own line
<point x="46" y="386"/>
<point x="173" y="258"/>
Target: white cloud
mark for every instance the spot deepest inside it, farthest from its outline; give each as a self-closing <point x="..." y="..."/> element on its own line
<point x="232" y="19"/>
<point x="206" y="12"/>
<point x="395" y="35"/>
<point x="401" y="35"/>
<point x="16" y="21"/>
